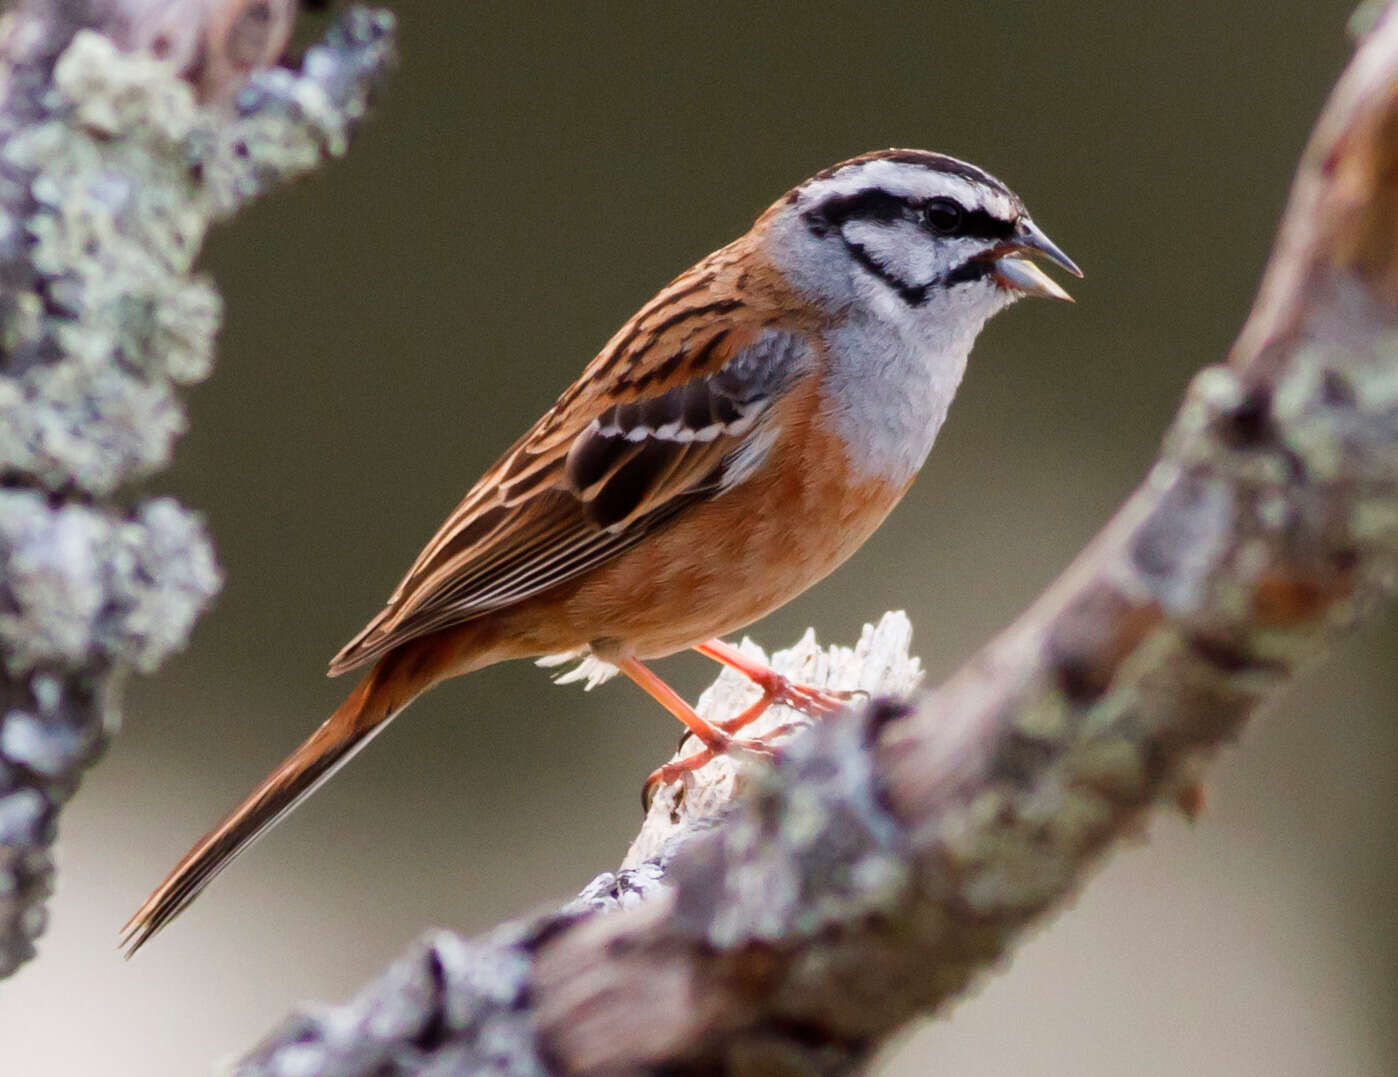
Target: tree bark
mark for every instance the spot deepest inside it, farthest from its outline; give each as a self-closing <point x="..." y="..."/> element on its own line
<point x="793" y="923"/>
<point x="121" y="142"/>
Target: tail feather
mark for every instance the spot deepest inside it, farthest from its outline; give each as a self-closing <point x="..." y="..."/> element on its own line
<point x="374" y="701"/>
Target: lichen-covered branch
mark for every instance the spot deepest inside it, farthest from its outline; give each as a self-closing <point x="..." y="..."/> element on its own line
<point x="127" y="128"/>
<point x="899" y="851"/>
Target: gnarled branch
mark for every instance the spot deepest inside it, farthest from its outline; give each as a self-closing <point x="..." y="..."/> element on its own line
<point x="127" y="127"/>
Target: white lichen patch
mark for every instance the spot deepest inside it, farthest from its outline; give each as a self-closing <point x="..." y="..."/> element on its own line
<point x="879" y="664"/>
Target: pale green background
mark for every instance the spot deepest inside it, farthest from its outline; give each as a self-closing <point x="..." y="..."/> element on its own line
<point x="534" y="174"/>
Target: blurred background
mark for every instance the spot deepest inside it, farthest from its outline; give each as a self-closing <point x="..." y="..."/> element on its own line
<point x="534" y="174"/>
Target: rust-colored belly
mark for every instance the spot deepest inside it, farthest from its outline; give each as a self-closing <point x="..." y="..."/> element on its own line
<point x="723" y="564"/>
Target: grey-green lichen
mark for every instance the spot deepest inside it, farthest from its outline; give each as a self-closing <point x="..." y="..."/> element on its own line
<point x="451" y="1006"/>
<point x="111" y="174"/>
<point x="114" y="232"/>
<point x="83" y="583"/>
<point x="127" y="174"/>
<point x="829" y="850"/>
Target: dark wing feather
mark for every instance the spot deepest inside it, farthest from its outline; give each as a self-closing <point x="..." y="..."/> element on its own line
<point x="600" y="471"/>
<point x="635" y="456"/>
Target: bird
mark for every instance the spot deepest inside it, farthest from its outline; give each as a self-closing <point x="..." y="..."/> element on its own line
<point x="735" y="441"/>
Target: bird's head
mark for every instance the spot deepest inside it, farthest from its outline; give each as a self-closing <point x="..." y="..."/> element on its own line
<point x="911" y="235"/>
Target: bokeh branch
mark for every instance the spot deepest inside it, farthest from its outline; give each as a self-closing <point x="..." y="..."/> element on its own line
<point x="898" y="852"/>
<point x="127" y="128"/>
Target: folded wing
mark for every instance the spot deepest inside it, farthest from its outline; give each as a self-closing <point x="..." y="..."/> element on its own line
<point x="658" y="421"/>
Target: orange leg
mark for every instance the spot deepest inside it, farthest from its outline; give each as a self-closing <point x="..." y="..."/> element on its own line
<point x="751" y="714"/>
<point x="674" y="771"/>
<point x="709" y="734"/>
<point x="714" y="739"/>
<point x="717" y="737"/>
<point x="814" y="702"/>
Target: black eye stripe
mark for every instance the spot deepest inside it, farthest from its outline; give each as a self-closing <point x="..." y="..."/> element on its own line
<point x="979" y="224"/>
<point x="967" y="272"/>
<point x="876" y="204"/>
<point x="912" y="294"/>
<point x="868" y="205"/>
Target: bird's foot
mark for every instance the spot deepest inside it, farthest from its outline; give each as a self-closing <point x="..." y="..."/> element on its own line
<point x="673" y="772"/>
<point x="776" y="687"/>
<point x="812" y="702"/>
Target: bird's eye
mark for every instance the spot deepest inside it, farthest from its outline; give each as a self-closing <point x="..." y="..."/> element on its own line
<point x="943" y="215"/>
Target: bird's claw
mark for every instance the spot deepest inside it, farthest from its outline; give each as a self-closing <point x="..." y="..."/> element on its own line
<point x="777" y="690"/>
<point x="812" y="702"/>
<point x="677" y="769"/>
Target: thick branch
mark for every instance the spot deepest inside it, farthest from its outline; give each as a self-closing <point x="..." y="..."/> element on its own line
<point x="897" y="852"/>
<point x="113" y="164"/>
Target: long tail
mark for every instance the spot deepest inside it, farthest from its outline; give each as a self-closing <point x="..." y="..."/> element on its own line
<point x="384" y="692"/>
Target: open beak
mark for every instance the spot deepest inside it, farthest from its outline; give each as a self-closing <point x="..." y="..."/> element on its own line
<point x="1021" y="275"/>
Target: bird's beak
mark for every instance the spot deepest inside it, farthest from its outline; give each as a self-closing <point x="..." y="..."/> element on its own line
<point x="1025" y="277"/>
